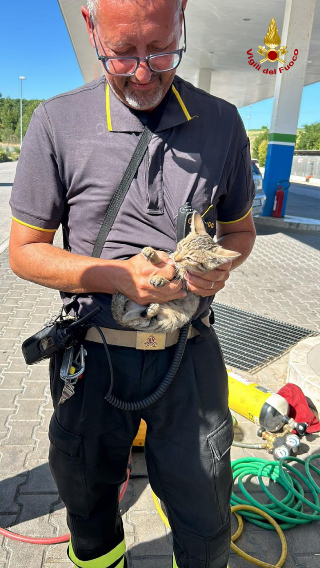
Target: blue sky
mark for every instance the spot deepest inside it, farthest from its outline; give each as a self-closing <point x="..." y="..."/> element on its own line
<point x="34" y="42"/>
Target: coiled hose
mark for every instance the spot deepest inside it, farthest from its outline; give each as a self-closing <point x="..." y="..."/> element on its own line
<point x="239" y="531"/>
<point x="289" y="510"/>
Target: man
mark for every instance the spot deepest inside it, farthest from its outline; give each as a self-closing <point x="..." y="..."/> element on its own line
<point x="74" y="155"/>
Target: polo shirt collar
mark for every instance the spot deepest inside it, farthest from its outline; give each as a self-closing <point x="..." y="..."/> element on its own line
<point x="172" y="111"/>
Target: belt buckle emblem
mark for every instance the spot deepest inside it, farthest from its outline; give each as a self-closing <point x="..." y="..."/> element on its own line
<point x="150" y="341"/>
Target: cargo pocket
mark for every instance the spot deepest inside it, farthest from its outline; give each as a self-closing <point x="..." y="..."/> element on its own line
<point x="220" y="441"/>
<point x="67" y="467"/>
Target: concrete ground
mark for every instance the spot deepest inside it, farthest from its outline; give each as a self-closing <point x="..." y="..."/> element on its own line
<point x="280" y="280"/>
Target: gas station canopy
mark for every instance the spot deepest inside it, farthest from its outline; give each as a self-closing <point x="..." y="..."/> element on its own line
<point x="219" y="35"/>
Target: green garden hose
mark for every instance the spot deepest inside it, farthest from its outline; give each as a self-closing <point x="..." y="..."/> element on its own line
<point x="289" y="511"/>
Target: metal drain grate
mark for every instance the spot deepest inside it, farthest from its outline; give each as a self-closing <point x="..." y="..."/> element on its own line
<point x="249" y="341"/>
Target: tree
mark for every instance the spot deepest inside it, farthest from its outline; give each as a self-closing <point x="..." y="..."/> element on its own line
<point x="264" y="135"/>
<point x="10" y="118"/>
<point x="263" y="153"/>
<point x="28" y="109"/>
<point x="309" y="138"/>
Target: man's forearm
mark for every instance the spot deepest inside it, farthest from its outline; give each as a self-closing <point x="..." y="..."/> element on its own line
<point x="59" y="269"/>
<point x="241" y="242"/>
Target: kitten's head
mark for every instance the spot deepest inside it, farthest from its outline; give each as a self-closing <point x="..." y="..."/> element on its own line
<point x="198" y="251"/>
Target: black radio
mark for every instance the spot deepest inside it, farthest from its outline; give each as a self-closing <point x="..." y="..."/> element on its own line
<point x="64" y="332"/>
<point x="184" y="221"/>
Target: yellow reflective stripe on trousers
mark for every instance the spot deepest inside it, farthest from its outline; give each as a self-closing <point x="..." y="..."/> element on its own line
<point x="103" y="561"/>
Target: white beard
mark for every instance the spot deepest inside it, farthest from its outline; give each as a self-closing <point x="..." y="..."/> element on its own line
<point x="144" y="101"/>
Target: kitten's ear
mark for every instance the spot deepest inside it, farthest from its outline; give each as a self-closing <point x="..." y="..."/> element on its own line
<point x="197" y="225"/>
<point x="224" y="253"/>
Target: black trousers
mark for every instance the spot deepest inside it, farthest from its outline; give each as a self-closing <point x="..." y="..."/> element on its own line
<point x="189" y="434"/>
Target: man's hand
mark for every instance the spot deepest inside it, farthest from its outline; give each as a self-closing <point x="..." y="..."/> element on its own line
<point x="210" y="283"/>
<point x="132" y="279"/>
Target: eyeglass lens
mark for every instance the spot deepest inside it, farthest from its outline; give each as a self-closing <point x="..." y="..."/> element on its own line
<point x="158" y="63"/>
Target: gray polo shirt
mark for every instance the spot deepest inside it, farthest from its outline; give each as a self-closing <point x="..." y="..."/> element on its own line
<point x="79" y="144"/>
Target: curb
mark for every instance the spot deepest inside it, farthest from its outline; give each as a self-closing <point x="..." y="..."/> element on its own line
<point x="288" y="222"/>
<point x="301" y="373"/>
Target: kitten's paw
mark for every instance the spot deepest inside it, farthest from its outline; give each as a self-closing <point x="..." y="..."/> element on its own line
<point x="152" y="310"/>
<point x="158" y="280"/>
<point x="151" y="255"/>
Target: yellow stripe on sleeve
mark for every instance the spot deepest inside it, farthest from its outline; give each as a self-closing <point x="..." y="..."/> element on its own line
<point x="33" y="227"/>
<point x="236" y="221"/>
<point x="203" y="214"/>
<point x="183" y="106"/>
<point x="108" y="108"/>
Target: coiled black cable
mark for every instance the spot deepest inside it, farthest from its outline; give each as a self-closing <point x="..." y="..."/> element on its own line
<point x="164" y="385"/>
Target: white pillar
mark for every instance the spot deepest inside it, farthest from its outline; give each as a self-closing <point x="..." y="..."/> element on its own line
<point x="204" y="79"/>
<point x="296" y="34"/>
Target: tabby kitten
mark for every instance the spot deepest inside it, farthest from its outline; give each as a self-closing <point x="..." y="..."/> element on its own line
<point x="197" y="251"/>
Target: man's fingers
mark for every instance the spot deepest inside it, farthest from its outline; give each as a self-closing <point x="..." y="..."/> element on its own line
<point x="172" y="288"/>
<point x="214" y="274"/>
<point x="205" y="280"/>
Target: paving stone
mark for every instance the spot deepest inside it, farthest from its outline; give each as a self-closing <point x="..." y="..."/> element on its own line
<point x="8" y="335"/>
<point x="8" y="344"/>
<point x="12" y="459"/>
<point x="40" y="371"/>
<point x="28" y="410"/>
<point x="30" y="329"/>
<point x="7" y="398"/>
<point x="148" y="523"/>
<point x="138" y="562"/>
<point x="3" y="418"/>
<point x="40" y="480"/>
<point x="34" y="390"/>
<point x="26" y="304"/>
<point x="20" y="434"/>
<point x="306" y="538"/>
<point x="9" y="302"/>
<point x="12" y="381"/>
<point x="8" y="490"/>
<point x="17" y="364"/>
<point x="24" y="555"/>
<point x="143" y="496"/>
<point x="307" y="561"/>
<point x="46" y="414"/>
<point x="6" y="521"/>
<point x="41" y="449"/>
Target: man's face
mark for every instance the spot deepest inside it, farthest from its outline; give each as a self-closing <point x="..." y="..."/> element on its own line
<point x="130" y="28"/>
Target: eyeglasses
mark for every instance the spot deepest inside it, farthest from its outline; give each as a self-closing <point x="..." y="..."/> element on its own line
<point x="158" y="63"/>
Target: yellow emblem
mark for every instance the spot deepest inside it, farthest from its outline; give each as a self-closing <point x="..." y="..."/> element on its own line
<point x="272" y="40"/>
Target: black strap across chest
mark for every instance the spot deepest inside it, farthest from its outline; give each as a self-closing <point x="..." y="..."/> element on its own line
<point x="121" y="191"/>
